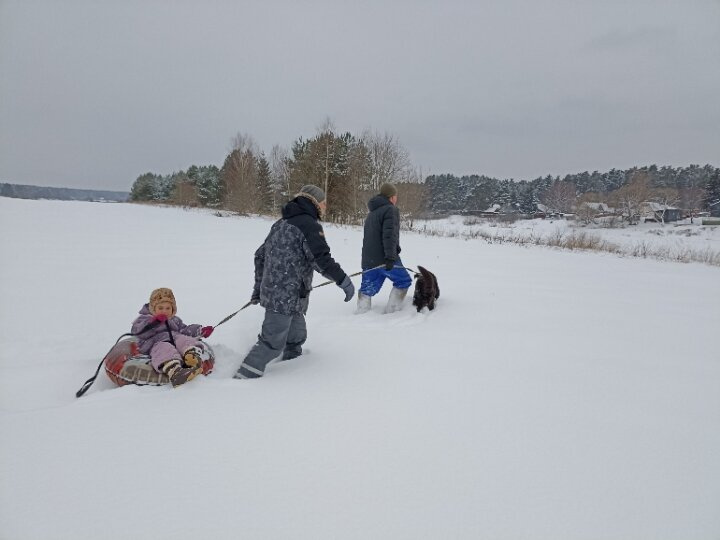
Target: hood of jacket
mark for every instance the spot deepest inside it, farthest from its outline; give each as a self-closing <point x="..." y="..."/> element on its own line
<point x="378" y="201"/>
<point x="300" y="205"/>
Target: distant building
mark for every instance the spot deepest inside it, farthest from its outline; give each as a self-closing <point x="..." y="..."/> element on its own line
<point x="510" y="208"/>
<point x="652" y="211"/>
<point x="599" y="207"/>
<point x="715" y="209"/>
<point x="493" y="211"/>
<point x="545" y="211"/>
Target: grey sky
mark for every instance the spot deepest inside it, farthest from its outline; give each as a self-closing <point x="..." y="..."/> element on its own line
<point x="95" y="93"/>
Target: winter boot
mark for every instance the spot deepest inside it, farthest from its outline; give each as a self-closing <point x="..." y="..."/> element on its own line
<point x="364" y="303"/>
<point x="192" y="358"/>
<point x="289" y="354"/>
<point x="178" y="375"/>
<point x="396" y="299"/>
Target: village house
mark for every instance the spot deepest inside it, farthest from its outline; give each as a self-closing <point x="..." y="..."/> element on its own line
<point x="662" y="213"/>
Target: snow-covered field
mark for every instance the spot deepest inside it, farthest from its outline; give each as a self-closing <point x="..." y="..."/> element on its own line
<point x="680" y="241"/>
<point x="551" y="395"/>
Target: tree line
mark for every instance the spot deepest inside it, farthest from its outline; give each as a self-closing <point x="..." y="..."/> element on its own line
<point x="694" y="188"/>
<point x="350" y="169"/>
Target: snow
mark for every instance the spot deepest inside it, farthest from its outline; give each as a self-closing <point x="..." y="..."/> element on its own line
<point x="551" y="395"/>
<point x="671" y="241"/>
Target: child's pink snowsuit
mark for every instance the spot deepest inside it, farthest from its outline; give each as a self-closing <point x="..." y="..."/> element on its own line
<point x="154" y="338"/>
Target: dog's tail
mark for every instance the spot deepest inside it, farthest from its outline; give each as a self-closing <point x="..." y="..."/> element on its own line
<point x="430" y="278"/>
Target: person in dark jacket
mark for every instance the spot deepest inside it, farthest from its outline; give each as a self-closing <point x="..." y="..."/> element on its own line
<point x="381" y="247"/>
<point x="284" y="266"/>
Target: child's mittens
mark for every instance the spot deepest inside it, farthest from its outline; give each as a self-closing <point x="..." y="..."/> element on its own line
<point x="205" y="331"/>
<point x="160" y="317"/>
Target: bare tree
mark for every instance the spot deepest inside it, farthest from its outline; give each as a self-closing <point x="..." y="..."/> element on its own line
<point x="358" y="173"/>
<point x="243" y="142"/>
<point x="629" y="197"/>
<point x="411" y="201"/>
<point x="587" y="209"/>
<point x="665" y="197"/>
<point x="389" y="160"/>
<point x="280" y="175"/>
<point x="239" y="175"/>
<point x="560" y="196"/>
<point x="326" y="137"/>
<point x="691" y="200"/>
<point x="185" y="194"/>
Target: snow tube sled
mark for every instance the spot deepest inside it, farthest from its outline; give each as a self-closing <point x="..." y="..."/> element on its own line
<point x="124" y="364"/>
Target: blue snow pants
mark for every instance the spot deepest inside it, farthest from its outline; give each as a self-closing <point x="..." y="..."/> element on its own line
<point x="372" y="280"/>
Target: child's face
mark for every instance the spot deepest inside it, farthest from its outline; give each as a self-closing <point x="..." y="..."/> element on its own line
<point x="164" y="308"/>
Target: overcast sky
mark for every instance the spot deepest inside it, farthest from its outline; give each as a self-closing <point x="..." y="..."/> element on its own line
<point x="95" y="93"/>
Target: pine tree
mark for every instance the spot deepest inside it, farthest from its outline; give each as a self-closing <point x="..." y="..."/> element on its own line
<point x="144" y="187"/>
<point x="325" y="161"/>
<point x="264" y="186"/>
<point x="712" y="193"/>
<point x="443" y="193"/>
<point x="528" y="199"/>
<point x="165" y="185"/>
<point x="504" y="195"/>
<point x="207" y="181"/>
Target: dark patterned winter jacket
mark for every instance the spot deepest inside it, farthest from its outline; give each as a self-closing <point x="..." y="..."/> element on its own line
<point x="284" y="263"/>
<point x="381" y="238"/>
<point x="149" y="332"/>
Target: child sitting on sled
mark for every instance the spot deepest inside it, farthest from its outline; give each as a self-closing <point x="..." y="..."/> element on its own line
<point x="171" y="344"/>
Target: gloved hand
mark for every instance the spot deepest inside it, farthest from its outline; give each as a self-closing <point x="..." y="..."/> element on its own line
<point x="347" y="286"/>
<point x="389" y="264"/>
<point x="205" y="331"/>
<point x="160" y="317"/>
<point x="255" y="299"/>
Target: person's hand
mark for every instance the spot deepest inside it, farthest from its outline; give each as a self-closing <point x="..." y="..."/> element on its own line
<point x="160" y="317"/>
<point x="255" y="299"/>
<point x="347" y="286"/>
<point x="389" y="264"/>
<point x="205" y="331"/>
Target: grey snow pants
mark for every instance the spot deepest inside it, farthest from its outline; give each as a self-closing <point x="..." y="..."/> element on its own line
<point x="280" y="334"/>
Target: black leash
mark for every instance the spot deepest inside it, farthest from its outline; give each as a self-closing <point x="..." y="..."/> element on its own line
<point x="87" y="384"/>
<point x="414" y="272"/>
<point x="226" y="319"/>
<point x="351" y="275"/>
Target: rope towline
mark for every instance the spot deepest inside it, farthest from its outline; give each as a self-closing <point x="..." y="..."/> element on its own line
<point x="359" y="273"/>
<point x="226" y="319"/>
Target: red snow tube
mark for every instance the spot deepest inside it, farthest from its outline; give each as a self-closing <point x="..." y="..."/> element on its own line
<point x="124" y="364"/>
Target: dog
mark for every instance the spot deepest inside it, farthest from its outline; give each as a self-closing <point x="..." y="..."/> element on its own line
<point x="426" y="290"/>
